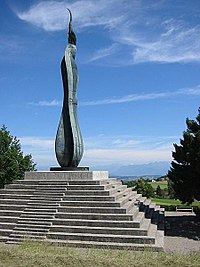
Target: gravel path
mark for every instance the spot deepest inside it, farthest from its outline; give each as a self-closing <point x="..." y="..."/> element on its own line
<point x="183" y="232"/>
<point x="181" y="245"/>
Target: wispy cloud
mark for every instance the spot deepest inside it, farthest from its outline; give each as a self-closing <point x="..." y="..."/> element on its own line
<point x="52" y="15"/>
<point x="143" y="34"/>
<point x="195" y="91"/>
<point x="142" y="97"/>
<point x="37" y="142"/>
<point x="10" y="47"/>
<point x="103" y="52"/>
<point x="129" y="142"/>
<point x="45" y="103"/>
<point x="41" y="149"/>
<point x="112" y="156"/>
<point x="102" y="149"/>
<point x="177" y="44"/>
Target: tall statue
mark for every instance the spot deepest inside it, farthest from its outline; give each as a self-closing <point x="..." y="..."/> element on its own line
<point x="69" y="143"/>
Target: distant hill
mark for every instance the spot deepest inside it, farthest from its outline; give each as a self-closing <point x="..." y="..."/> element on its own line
<point x="153" y="169"/>
<point x="150" y="169"/>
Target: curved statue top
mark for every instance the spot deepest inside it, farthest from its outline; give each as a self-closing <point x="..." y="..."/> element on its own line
<point x="69" y="143"/>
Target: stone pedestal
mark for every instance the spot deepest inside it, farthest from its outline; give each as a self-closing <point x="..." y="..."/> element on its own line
<point x="61" y="169"/>
<point x="66" y="175"/>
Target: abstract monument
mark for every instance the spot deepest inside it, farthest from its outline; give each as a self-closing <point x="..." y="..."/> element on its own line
<point x="69" y="143"/>
<point x="72" y="206"/>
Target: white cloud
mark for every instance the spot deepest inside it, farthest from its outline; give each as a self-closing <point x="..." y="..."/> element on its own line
<point x="45" y="103"/>
<point x="103" y="52"/>
<point x="195" y="91"/>
<point x="141" y="97"/>
<point x="53" y="15"/>
<point x="41" y="149"/>
<point x="101" y="149"/>
<point x="37" y="142"/>
<point x="137" y="26"/>
<point x="175" y="45"/>
<point x="11" y="47"/>
<point x="111" y="156"/>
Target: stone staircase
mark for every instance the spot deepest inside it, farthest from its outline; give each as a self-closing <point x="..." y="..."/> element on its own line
<point x="88" y="213"/>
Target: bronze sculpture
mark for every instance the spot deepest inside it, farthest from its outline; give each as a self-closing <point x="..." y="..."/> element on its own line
<point x="69" y="143"/>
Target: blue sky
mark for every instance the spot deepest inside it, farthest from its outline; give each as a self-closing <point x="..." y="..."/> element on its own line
<point x="139" y="75"/>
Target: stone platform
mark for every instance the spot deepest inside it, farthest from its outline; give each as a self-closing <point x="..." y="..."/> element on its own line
<point x="67" y="175"/>
<point x="79" y="209"/>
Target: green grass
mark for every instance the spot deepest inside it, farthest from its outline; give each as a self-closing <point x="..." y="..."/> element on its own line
<point x="44" y="255"/>
<point x="168" y="202"/>
<point x="162" y="184"/>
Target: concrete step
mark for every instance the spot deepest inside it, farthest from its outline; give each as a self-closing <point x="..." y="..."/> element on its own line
<point x="5" y="232"/>
<point x="94" y="216"/>
<point x="4" y="239"/>
<point x="46" y="198"/>
<point x="32" y="229"/>
<point x="18" y="191"/>
<point x="25" y="233"/>
<point x="9" y="202"/>
<point x="88" y="192"/>
<point x="48" y="194"/>
<point x="152" y="230"/>
<point x="101" y="238"/>
<point x="126" y="198"/>
<point x="12" y="207"/>
<point x="57" y="182"/>
<point x="39" y="210"/>
<point x="21" y="186"/>
<point x="106" y="210"/>
<point x="7" y="225"/>
<point x="50" y="191"/>
<point x="23" y="237"/>
<point x="15" y="196"/>
<point x="122" y="193"/>
<point x="35" y="221"/>
<point x="30" y="215"/>
<point x="89" y="187"/>
<point x="30" y="225"/>
<point x="96" y="223"/>
<point x="87" y="198"/>
<point x="12" y="213"/>
<point x="84" y="213"/>
<point x="83" y="203"/>
<point x="98" y="230"/>
<point x="42" y="205"/>
<point x="17" y="241"/>
<point x="8" y="219"/>
<point x="113" y="245"/>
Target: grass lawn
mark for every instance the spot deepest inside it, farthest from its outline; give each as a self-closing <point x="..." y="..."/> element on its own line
<point x="44" y="255"/>
<point x="162" y="184"/>
<point x="168" y="202"/>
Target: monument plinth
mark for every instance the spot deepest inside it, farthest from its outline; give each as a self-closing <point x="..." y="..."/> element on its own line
<point x="61" y="169"/>
<point x="66" y="175"/>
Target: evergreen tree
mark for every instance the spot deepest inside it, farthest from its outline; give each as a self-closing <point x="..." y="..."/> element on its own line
<point x="159" y="191"/>
<point x="12" y="162"/>
<point x="185" y="168"/>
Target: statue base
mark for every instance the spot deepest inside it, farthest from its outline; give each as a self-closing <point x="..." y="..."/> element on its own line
<point x="66" y="169"/>
<point x="66" y="175"/>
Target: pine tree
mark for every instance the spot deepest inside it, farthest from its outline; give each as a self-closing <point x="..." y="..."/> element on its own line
<point x="12" y="162"/>
<point x="159" y="191"/>
<point x="185" y="168"/>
